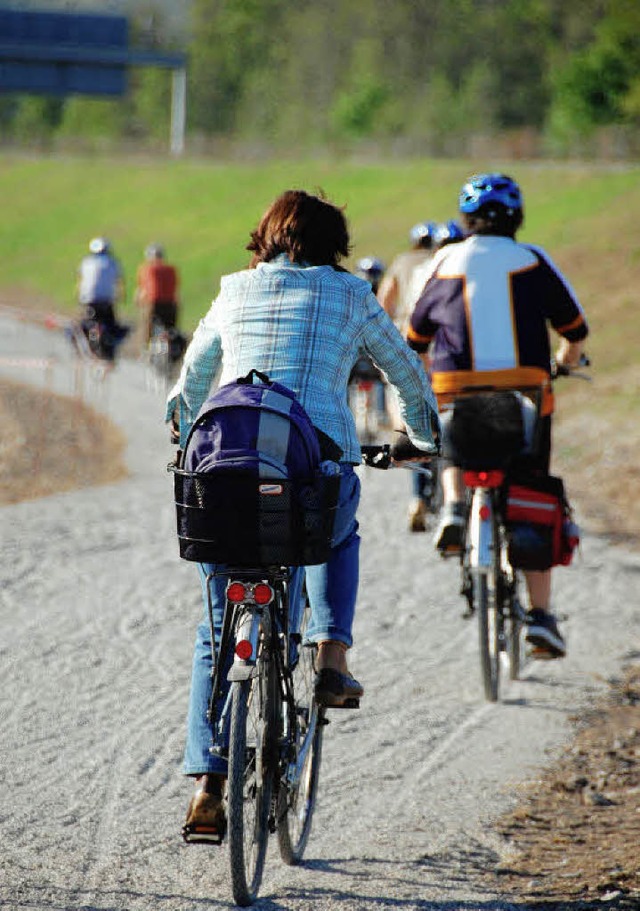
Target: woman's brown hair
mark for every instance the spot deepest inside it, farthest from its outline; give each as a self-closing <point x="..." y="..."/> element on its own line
<point x="309" y="229"/>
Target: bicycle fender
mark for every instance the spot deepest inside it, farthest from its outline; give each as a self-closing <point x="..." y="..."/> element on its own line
<point x="480" y="543"/>
<point x="240" y="671"/>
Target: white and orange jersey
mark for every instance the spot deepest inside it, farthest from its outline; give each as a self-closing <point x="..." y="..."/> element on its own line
<point x="486" y="307"/>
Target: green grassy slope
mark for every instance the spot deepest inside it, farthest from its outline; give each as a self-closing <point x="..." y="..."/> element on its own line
<point x="203" y="212"/>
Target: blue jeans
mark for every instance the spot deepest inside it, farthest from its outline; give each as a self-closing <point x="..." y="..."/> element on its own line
<point x="332" y="589"/>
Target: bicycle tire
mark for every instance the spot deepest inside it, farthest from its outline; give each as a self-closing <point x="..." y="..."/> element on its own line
<point x="251" y="769"/>
<point x="515" y="625"/>
<point x="299" y="787"/>
<point x="489" y="637"/>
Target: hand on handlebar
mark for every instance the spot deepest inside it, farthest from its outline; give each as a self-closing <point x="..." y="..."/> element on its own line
<point x="403" y="450"/>
<point x="559" y="368"/>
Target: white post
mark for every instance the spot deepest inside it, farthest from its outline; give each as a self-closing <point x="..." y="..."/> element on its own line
<point x="178" y="110"/>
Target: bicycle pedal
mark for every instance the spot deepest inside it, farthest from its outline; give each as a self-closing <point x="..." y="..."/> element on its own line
<point x="201" y="835"/>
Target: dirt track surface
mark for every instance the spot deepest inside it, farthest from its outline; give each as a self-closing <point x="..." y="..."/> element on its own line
<point x="98" y="616"/>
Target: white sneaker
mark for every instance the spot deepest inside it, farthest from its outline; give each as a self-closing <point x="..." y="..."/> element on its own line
<point x="450" y="530"/>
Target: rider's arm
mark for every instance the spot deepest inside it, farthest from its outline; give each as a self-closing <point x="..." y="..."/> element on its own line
<point x="199" y="368"/>
<point x="568" y="353"/>
<point x="404" y="371"/>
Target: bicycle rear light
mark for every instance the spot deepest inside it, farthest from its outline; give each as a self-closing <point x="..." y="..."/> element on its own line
<point x="241" y="593"/>
<point x="484" y="512"/>
<point x="483" y="478"/>
<point x="263" y="593"/>
<point x="244" y="649"/>
<point x="237" y="592"/>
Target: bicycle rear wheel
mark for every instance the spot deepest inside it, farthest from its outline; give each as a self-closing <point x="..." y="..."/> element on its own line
<point x="252" y="759"/>
<point x="299" y="787"/>
<point x="515" y="624"/>
<point x="488" y="627"/>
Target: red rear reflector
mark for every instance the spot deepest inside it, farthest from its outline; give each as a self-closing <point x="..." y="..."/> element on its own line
<point x="483" y="478"/>
<point x="485" y="513"/>
<point x="236" y="592"/>
<point x="243" y="649"/>
<point x="262" y="593"/>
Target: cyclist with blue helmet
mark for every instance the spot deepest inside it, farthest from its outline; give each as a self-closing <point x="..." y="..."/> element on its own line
<point x="485" y="314"/>
<point x="372" y="270"/>
<point x="449" y="232"/>
<point x="396" y="290"/>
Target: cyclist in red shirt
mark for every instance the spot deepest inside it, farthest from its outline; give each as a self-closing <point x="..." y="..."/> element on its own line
<point x="157" y="292"/>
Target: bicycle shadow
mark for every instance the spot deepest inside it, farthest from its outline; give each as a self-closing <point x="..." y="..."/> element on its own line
<point x="456" y="867"/>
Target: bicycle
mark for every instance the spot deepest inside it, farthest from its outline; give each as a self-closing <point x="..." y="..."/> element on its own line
<point x="269" y="717"/>
<point x="366" y="397"/>
<point x="163" y="356"/>
<point x="490" y="582"/>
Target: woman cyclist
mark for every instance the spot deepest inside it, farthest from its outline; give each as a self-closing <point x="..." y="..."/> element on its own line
<point x="297" y="316"/>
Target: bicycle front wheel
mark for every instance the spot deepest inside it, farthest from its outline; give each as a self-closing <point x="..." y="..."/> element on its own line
<point x="299" y="787"/>
<point x="252" y="749"/>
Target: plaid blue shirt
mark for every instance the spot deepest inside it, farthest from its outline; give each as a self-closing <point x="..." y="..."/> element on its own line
<point x="303" y="326"/>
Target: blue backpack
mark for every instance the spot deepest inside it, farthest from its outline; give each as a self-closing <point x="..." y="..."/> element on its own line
<point x="252" y="489"/>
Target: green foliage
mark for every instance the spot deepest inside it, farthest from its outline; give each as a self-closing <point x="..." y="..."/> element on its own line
<point x="298" y="74"/>
<point x="599" y="84"/>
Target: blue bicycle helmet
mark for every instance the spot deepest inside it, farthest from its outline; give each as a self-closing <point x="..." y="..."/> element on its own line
<point x="370" y="268"/>
<point x="447" y="233"/>
<point x="424" y="230"/>
<point x="486" y="188"/>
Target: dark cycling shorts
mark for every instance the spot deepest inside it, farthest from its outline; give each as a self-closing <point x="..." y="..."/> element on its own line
<point x="165" y="313"/>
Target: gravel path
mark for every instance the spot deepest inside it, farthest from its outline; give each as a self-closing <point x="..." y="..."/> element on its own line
<point x="98" y="616"/>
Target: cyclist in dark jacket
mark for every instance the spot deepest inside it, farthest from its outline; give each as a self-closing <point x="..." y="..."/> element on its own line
<point x="484" y="313"/>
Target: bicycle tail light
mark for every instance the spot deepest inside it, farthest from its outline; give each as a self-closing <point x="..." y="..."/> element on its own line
<point x="244" y="649"/>
<point x="237" y="592"/>
<point x="492" y="478"/>
<point x="263" y="593"/>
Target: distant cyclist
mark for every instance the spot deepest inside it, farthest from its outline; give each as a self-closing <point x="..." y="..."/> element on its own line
<point x="485" y="312"/>
<point x="371" y="269"/>
<point x="157" y="297"/>
<point x="449" y="232"/>
<point x="100" y="287"/>
<point x="397" y="294"/>
<point x="397" y="291"/>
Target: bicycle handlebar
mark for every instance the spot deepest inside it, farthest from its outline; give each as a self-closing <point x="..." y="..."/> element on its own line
<point x="380" y="457"/>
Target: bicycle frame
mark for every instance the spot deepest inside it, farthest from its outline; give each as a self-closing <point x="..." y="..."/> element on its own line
<point x="244" y="622"/>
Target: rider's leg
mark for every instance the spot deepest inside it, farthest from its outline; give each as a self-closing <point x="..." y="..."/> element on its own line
<point x="198" y="758"/>
<point x="418" y="505"/>
<point x="539" y="588"/>
<point x="332" y="589"/>
<point x="448" y="536"/>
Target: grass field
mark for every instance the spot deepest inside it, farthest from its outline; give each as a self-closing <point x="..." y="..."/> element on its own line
<point x="203" y="211"/>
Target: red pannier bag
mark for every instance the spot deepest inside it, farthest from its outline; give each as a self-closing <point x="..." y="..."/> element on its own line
<point x="540" y="530"/>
